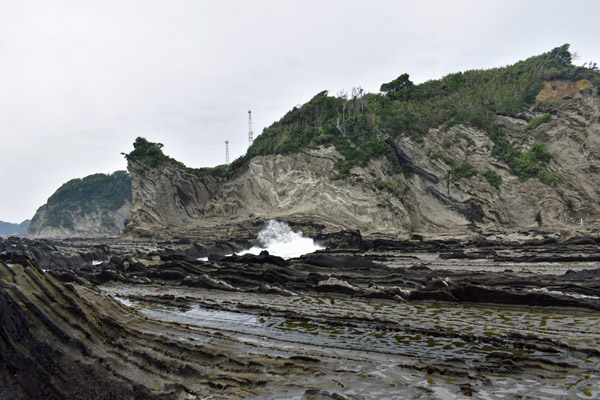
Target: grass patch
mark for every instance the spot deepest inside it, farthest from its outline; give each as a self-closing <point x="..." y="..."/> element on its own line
<point x="462" y="170"/>
<point x="548" y="178"/>
<point x="388" y="186"/>
<point x="467" y="138"/>
<point x="537" y="121"/>
<point x="524" y="164"/>
<point x="444" y="157"/>
<point x="493" y="178"/>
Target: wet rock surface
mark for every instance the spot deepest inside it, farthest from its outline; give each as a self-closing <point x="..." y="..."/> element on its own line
<point x="494" y="316"/>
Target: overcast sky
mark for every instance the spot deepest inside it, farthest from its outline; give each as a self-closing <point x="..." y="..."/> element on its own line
<point x="81" y="79"/>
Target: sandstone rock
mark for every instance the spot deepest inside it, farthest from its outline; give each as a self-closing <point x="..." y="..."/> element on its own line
<point x="336" y="285"/>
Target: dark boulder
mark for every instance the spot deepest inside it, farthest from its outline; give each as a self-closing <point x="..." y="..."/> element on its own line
<point x="580" y="241"/>
<point x="342" y="262"/>
<point x="479" y="294"/>
<point x="350" y="239"/>
<point x="108" y="275"/>
<point x="263" y="258"/>
<point x="583" y="274"/>
<point x="167" y="274"/>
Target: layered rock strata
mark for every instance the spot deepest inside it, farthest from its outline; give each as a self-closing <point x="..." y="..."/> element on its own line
<point x="338" y="324"/>
<point x="298" y="188"/>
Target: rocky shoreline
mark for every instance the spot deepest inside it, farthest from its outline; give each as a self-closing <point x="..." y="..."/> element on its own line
<point x="488" y="316"/>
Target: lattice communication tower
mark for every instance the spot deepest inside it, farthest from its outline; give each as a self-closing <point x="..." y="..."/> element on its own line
<point x="250" y="133"/>
<point x="227" y="152"/>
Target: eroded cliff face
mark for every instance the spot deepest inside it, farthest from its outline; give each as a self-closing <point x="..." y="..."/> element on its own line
<point x="571" y="137"/>
<point x="94" y="224"/>
<point x="168" y="201"/>
<point x="296" y="188"/>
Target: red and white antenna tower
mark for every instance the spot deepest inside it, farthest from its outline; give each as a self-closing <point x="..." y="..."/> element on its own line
<point x="250" y="133"/>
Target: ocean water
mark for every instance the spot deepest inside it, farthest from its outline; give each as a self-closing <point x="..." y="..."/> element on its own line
<point x="279" y="239"/>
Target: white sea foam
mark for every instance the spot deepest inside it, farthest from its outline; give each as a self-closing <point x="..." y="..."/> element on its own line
<point x="279" y="239"/>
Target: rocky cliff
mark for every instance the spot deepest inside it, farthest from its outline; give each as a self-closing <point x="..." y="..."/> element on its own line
<point x="296" y="188"/>
<point x="95" y="206"/>
<point x="516" y="167"/>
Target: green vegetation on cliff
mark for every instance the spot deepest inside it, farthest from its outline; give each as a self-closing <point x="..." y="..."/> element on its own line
<point x="358" y="124"/>
<point x="537" y="121"/>
<point x="103" y="192"/>
<point x="462" y="170"/>
<point x="152" y="156"/>
<point x="493" y="178"/>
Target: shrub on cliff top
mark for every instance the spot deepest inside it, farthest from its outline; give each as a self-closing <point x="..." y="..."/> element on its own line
<point x="151" y="155"/>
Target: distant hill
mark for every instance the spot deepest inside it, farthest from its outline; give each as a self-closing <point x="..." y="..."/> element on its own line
<point x="95" y="206"/>
<point x="10" y="229"/>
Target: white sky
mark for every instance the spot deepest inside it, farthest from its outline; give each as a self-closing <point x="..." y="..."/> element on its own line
<point x="81" y="79"/>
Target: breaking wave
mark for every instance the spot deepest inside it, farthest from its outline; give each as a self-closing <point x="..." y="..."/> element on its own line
<point x="279" y="239"/>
